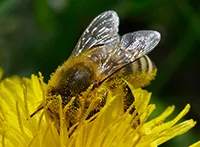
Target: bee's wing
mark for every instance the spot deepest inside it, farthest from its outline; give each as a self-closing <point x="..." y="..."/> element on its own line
<point x="102" y="30"/>
<point x="139" y="43"/>
<point x="131" y="47"/>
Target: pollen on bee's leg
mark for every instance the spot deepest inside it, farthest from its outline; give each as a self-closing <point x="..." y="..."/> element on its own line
<point x="130" y="108"/>
<point x="128" y="99"/>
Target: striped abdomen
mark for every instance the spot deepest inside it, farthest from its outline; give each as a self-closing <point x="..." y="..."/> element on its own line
<point x="140" y="72"/>
<point x="143" y="64"/>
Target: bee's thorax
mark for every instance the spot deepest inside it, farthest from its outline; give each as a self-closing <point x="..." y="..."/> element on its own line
<point x="73" y="81"/>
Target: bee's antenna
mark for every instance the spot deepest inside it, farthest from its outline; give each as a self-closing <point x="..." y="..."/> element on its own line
<point x="38" y="109"/>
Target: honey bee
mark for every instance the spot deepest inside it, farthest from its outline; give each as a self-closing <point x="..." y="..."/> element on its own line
<point x="101" y="58"/>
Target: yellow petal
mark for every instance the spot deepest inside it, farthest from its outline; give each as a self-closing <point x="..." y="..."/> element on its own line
<point x="197" y="144"/>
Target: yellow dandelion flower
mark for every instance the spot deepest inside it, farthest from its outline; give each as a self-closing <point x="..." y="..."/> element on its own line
<point x="197" y="144"/>
<point x="109" y="128"/>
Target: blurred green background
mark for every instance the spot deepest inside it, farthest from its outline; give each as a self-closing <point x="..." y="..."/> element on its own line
<point x="39" y="35"/>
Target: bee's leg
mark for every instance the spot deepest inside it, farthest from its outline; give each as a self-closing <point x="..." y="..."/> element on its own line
<point x="128" y="99"/>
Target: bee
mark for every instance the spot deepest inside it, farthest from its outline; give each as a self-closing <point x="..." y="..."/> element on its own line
<point x="101" y="58"/>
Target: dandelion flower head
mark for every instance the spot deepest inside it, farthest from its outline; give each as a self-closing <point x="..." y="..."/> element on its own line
<point x="111" y="127"/>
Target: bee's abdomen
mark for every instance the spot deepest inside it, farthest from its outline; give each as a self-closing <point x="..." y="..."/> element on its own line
<point x="143" y="64"/>
<point x="139" y="73"/>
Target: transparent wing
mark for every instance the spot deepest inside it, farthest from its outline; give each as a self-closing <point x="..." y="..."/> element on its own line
<point x="140" y="43"/>
<point x="131" y="47"/>
<point x="102" y="30"/>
